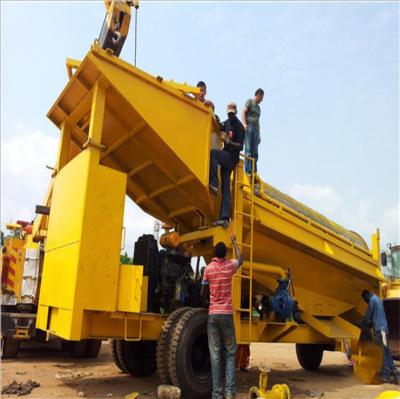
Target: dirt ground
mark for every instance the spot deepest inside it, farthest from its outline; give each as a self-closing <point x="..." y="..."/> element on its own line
<point x="100" y="378"/>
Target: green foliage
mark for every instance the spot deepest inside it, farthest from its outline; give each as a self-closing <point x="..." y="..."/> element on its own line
<point x="125" y="259"/>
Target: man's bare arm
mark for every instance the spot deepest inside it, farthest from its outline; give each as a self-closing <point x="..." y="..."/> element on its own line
<point x="237" y="251"/>
<point x="244" y="116"/>
<point x="205" y="294"/>
<point x="210" y="104"/>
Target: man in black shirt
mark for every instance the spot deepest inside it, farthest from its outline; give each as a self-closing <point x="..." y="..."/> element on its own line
<point x="227" y="158"/>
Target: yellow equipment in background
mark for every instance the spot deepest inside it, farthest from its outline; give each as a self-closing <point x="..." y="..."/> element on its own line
<point x="19" y="287"/>
<point x="13" y="257"/>
<point x="391" y="296"/>
<point x="389" y="395"/>
<point x="127" y="133"/>
<point x="278" y="391"/>
<point x="22" y="257"/>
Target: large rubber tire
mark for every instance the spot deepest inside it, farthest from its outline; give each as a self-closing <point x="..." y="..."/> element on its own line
<point x="93" y="348"/>
<point x="9" y="348"/>
<point x="189" y="357"/>
<point x="309" y="356"/>
<point x="163" y="344"/>
<point x="116" y="348"/>
<point x="77" y="349"/>
<point x="86" y="348"/>
<point x="138" y="358"/>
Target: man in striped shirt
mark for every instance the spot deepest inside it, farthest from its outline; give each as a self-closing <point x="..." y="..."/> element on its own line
<point x="220" y="329"/>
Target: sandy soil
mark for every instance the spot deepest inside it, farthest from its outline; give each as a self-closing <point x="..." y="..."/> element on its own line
<point x="104" y="380"/>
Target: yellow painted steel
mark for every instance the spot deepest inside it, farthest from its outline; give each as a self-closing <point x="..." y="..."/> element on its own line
<point x="13" y="263"/>
<point x="71" y="66"/>
<point x="125" y="131"/>
<point x="81" y="266"/>
<point x="389" y="395"/>
<point x="368" y="360"/>
<point x="132" y="292"/>
<point x="278" y="391"/>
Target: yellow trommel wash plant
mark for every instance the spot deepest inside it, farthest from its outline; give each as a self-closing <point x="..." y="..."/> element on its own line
<point x="127" y="133"/>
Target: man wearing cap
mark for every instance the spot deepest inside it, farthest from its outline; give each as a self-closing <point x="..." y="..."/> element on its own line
<point x="227" y="158"/>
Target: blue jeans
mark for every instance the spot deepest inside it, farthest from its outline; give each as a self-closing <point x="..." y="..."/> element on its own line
<point x="251" y="148"/>
<point x="224" y="159"/>
<point x="222" y="345"/>
<point x="388" y="367"/>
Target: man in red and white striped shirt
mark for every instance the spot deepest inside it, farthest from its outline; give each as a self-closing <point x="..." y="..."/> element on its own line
<point x="220" y="328"/>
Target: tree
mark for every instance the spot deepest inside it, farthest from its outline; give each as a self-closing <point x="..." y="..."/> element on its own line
<point x="125" y="259"/>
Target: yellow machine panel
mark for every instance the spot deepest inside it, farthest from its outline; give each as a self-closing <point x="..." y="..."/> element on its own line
<point x="12" y="266"/>
<point x="132" y="293"/>
<point x="81" y="267"/>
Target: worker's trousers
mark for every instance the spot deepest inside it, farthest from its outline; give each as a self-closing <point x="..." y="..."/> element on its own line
<point x="251" y="148"/>
<point x="222" y="345"/>
<point x="388" y="367"/>
<point x="224" y="159"/>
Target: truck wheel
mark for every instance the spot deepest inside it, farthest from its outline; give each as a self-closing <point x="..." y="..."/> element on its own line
<point x="189" y="357"/>
<point x="116" y="348"/>
<point x="77" y="349"/>
<point x="65" y="345"/>
<point x="9" y="348"/>
<point x="163" y="344"/>
<point x="41" y="336"/>
<point x="138" y="358"/>
<point x="309" y="356"/>
<point x="93" y="348"/>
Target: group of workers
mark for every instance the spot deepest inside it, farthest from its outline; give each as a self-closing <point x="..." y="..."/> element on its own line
<point x="217" y="278"/>
<point x="236" y="134"/>
<point x="216" y="289"/>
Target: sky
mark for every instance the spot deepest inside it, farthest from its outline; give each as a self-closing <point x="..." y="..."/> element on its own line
<point x="329" y="119"/>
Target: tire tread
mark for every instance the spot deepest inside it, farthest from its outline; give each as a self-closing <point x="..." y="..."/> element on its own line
<point x="163" y="344"/>
<point x="177" y="374"/>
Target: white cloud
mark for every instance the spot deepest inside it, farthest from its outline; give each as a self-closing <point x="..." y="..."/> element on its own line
<point x="323" y="199"/>
<point x="390" y="225"/>
<point x="366" y="217"/>
<point x="353" y="213"/>
<point x="24" y="176"/>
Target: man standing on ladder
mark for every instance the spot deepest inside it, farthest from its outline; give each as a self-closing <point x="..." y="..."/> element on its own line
<point x="227" y="158"/>
<point x="217" y="281"/>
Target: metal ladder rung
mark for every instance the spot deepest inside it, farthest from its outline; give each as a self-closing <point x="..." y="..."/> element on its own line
<point x="244" y="214"/>
<point x="245" y="276"/>
<point x="245" y="185"/>
<point x="239" y="187"/>
<point x="244" y="245"/>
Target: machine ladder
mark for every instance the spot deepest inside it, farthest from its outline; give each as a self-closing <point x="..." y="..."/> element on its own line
<point x="242" y="221"/>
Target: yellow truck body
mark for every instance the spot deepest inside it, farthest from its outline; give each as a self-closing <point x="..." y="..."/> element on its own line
<point x="127" y="133"/>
